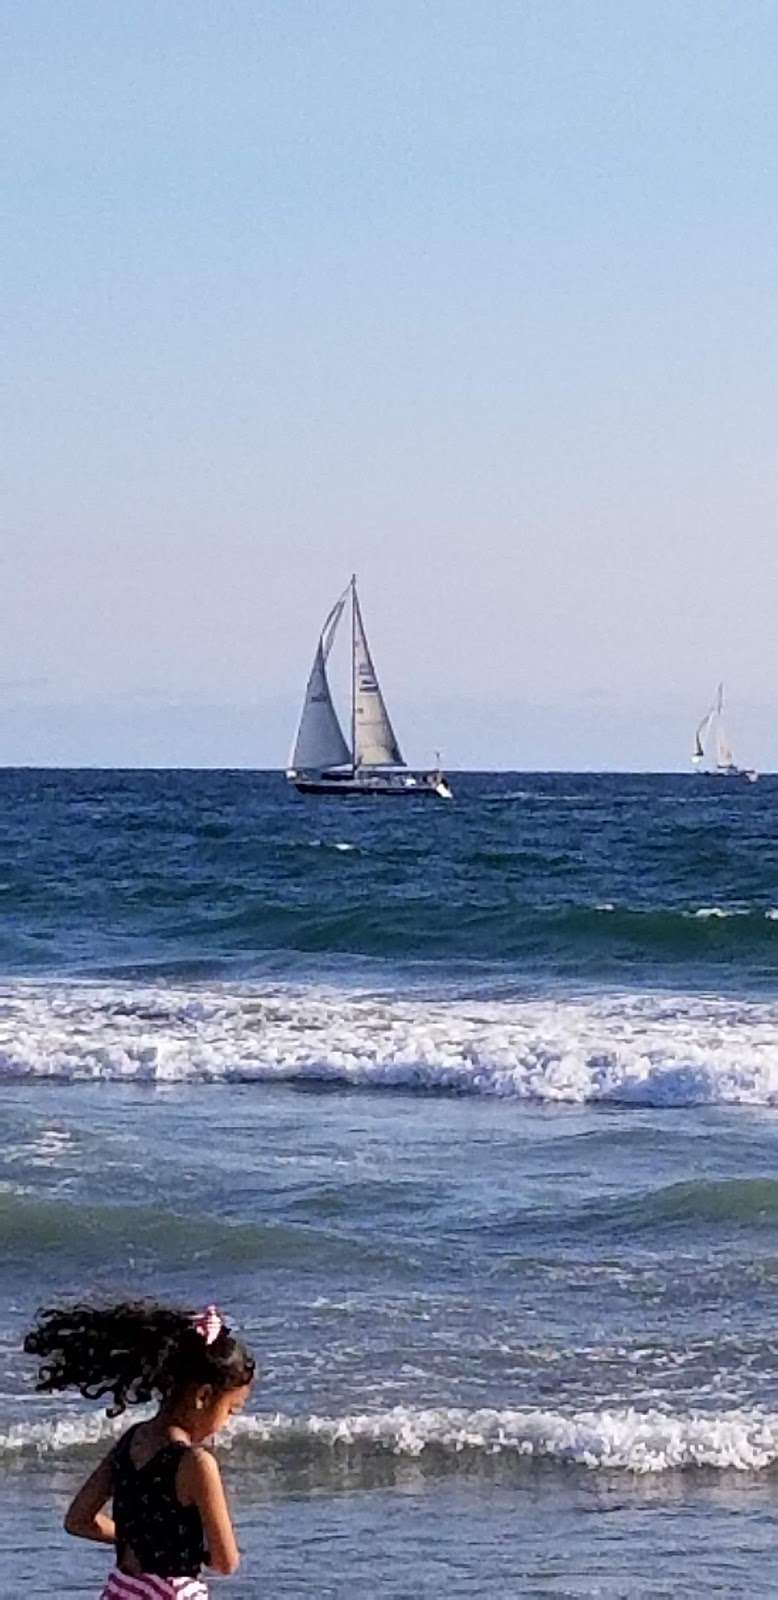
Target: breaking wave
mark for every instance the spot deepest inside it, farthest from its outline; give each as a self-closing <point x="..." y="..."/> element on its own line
<point x="625" y="1440"/>
<point x="643" y="1050"/>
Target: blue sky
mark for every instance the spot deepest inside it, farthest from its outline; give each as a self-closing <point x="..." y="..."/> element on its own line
<point x="478" y="299"/>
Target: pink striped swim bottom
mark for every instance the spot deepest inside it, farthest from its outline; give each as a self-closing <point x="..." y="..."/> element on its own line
<point x="121" y="1586"/>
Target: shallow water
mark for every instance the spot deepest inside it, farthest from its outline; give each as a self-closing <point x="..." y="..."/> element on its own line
<point x="465" y="1113"/>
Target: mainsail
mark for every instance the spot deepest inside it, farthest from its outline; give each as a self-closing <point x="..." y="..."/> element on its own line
<point x="320" y="742"/>
<point x="724" y="756"/>
<point x="374" y="742"/>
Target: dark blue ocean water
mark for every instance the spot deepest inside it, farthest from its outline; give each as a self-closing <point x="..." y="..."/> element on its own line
<point x="598" y="877"/>
<point x="466" y="1113"/>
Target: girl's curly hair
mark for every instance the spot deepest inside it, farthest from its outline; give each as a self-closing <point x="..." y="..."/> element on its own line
<point x="132" y="1352"/>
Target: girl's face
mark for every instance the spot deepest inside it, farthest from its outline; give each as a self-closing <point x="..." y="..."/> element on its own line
<point x="213" y="1409"/>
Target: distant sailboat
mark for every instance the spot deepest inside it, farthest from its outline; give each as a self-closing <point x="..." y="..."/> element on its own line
<point x="322" y="761"/>
<point x="712" y="754"/>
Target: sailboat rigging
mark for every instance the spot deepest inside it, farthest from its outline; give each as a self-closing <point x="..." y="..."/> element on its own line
<point x="323" y="761"/>
<point x="712" y="755"/>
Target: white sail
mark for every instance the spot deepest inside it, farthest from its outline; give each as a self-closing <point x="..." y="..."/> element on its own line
<point x="712" y="750"/>
<point x="320" y="742"/>
<point x="724" y="756"/>
<point x="374" y="742"/>
<point x="700" y="738"/>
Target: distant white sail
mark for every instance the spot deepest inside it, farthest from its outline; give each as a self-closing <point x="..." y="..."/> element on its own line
<point x="724" y="756"/>
<point x="700" y="738"/>
<point x="712" y="750"/>
<point x="320" y="742"/>
<point x="374" y="742"/>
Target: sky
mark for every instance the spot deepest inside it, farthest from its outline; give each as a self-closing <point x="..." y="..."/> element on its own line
<point x="476" y="298"/>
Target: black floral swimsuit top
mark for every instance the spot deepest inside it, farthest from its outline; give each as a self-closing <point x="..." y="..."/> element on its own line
<point x="154" y="1532"/>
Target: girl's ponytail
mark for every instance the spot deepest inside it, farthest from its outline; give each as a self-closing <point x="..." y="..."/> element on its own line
<point x="133" y="1351"/>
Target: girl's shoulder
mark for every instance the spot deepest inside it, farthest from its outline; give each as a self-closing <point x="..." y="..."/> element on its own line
<point x="197" y="1458"/>
<point x="198" y="1470"/>
<point x="122" y="1445"/>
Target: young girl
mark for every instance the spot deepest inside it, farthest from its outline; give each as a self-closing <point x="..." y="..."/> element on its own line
<point x="170" y="1514"/>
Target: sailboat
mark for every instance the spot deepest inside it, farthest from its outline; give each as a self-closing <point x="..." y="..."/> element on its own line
<point x="712" y="755"/>
<point x="322" y="761"/>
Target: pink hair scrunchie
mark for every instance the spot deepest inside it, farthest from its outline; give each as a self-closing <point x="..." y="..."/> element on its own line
<point x="209" y="1324"/>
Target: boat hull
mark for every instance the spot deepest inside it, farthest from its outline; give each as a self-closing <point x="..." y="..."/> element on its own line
<point x="411" y="787"/>
<point x="730" y="775"/>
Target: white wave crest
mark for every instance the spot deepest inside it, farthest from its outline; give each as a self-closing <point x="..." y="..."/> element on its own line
<point x="720" y="913"/>
<point x="60" y="1436"/>
<point x="617" y="1440"/>
<point x="662" y="1050"/>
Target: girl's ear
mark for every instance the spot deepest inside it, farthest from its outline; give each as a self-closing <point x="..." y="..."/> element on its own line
<point x="203" y="1396"/>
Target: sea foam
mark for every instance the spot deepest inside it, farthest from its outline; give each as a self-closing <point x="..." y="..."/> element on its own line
<point x="651" y="1050"/>
<point x="626" y="1440"/>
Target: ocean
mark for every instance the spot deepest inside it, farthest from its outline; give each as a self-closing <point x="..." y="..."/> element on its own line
<point x="465" y="1114"/>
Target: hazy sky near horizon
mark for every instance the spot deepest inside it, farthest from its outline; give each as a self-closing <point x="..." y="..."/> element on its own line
<point x="478" y="299"/>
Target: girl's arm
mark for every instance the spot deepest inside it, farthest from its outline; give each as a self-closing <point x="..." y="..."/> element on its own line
<point x="85" y="1517"/>
<point x="199" y="1483"/>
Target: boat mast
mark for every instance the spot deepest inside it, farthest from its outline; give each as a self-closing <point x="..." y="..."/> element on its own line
<point x="354" y="672"/>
